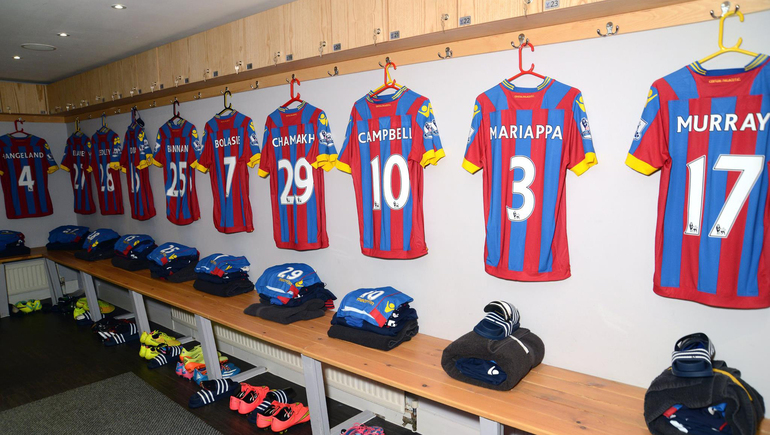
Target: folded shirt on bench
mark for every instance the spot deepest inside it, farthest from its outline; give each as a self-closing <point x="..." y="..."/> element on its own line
<point x="372" y="339"/>
<point x="395" y="324"/>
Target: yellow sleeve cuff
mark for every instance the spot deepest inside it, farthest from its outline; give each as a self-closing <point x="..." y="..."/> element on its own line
<point x="60" y="167"/>
<point x="583" y="166"/>
<point x="115" y="166"/>
<point x="156" y="163"/>
<point x="52" y="169"/>
<point x="143" y="164"/>
<point x="639" y="165"/>
<point x="198" y="166"/>
<point x="254" y="160"/>
<point x="90" y="169"/>
<point x="344" y="167"/>
<point x="428" y="157"/>
<point x="440" y="154"/>
<point x="2" y="173"/>
<point x="470" y="167"/>
<point x="262" y="173"/>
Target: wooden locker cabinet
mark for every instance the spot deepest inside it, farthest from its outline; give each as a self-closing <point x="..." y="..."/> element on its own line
<point x="56" y="98"/>
<point x="484" y="11"/>
<point x="307" y="28"/>
<point x="22" y="98"/>
<point x="224" y="49"/>
<point x="173" y="62"/>
<point x="126" y="76"/>
<point x="88" y="90"/>
<point x="418" y="17"/>
<point x="263" y="35"/>
<point x="198" y="58"/>
<point x="146" y="72"/>
<point x="354" y="23"/>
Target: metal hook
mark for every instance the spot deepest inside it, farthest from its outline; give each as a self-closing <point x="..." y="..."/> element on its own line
<point x="336" y="72"/>
<point x="526" y="3"/>
<point x="387" y="61"/>
<point x="610" y="32"/>
<point x="448" y="54"/>
<point x="238" y="66"/>
<point x="275" y="58"/>
<point x="197" y="97"/>
<point x="522" y="40"/>
<point x="227" y="89"/>
<point x="725" y="6"/>
<point x="178" y="79"/>
<point x="377" y="31"/>
<point x="205" y="73"/>
<point x="444" y="19"/>
<point x="255" y="85"/>
<point x="321" y="47"/>
<point x="153" y="104"/>
<point x="117" y="110"/>
<point x="292" y="78"/>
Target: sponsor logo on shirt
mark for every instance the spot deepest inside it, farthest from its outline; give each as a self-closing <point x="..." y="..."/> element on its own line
<point x="430" y="129"/>
<point x="585" y="130"/>
<point x="639" y="128"/>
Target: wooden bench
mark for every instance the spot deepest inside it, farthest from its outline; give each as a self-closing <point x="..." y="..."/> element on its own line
<point x="34" y="254"/>
<point x="549" y="400"/>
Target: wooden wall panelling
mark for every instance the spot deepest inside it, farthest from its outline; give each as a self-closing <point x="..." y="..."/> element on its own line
<point x="224" y="48"/>
<point x="264" y="36"/>
<point x="173" y="62"/>
<point x="484" y="11"/>
<point x="198" y="58"/>
<point x="308" y="24"/>
<point x="354" y="22"/>
<point x="146" y="71"/>
<point x="126" y="80"/>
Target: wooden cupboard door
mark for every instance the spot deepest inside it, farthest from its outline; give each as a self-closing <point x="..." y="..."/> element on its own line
<point x="408" y="18"/>
<point x="126" y="77"/>
<point x="354" y="23"/>
<point x="550" y="5"/>
<point x="56" y="97"/>
<point x="109" y="81"/>
<point x="224" y="48"/>
<point x="436" y="11"/>
<point x="146" y="71"/>
<point x="173" y="63"/>
<point x="484" y="11"/>
<point x="198" y="58"/>
<point x="22" y="98"/>
<point x="90" y="89"/>
<point x="264" y="37"/>
<point x="307" y="28"/>
<point x="8" y="101"/>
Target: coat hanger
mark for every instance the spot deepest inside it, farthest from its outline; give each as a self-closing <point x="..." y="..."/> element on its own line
<point x="389" y="83"/>
<point x="176" y="112"/>
<point x="103" y="128"/>
<point x="136" y="118"/>
<point x="294" y="98"/>
<point x="530" y="71"/>
<point x="77" y="126"/>
<point x="726" y="12"/>
<point x="227" y="106"/>
<point x="19" y="129"/>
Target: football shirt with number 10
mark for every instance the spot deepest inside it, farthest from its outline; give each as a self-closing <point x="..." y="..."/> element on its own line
<point x="25" y="163"/>
<point x="177" y="146"/>
<point x="709" y="134"/>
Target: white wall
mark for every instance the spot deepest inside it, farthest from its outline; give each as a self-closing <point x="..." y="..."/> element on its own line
<point x="36" y="229"/>
<point x="605" y="320"/>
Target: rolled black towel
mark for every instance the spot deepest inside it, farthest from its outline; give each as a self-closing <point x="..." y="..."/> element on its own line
<point x="372" y="339"/>
<point x="311" y="309"/>
<point x="745" y="406"/>
<point x="515" y="355"/>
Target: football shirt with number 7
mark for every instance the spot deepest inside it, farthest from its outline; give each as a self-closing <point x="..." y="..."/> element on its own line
<point x="108" y="187"/>
<point x="177" y="146"/>
<point x="390" y="139"/>
<point x="25" y="163"/>
<point x="708" y="132"/>
<point x="525" y="139"/>
<point x="230" y="148"/>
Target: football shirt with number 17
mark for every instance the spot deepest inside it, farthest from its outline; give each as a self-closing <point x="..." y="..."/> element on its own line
<point x="177" y="147"/>
<point x="708" y="132"/>
<point x="525" y="139"/>
<point x="25" y="163"/>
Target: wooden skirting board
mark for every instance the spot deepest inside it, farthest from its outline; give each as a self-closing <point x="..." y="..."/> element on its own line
<point x="551" y="27"/>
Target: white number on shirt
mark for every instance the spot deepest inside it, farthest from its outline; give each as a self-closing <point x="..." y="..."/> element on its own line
<point x="177" y="177"/>
<point x="521" y="187"/>
<point x="80" y="177"/>
<point x="290" y="273"/>
<point x="750" y="168"/>
<point x="25" y="179"/>
<point x="372" y="295"/>
<point x="395" y="160"/>
<point x="169" y="249"/>
<point x="110" y="182"/>
<point x="230" y="168"/>
<point x="294" y="176"/>
<point x="136" y="185"/>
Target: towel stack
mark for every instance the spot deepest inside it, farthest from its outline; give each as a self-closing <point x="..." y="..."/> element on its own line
<point x="66" y="237"/>
<point x="174" y="262"/>
<point x="291" y="292"/>
<point x="99" y="245"/>
<point x="12" y="244"/>
<point x="223" y="275"/>
<point x="380" y="318"/>
<point x="131" y="252"/>
<point x="497" y="354"/>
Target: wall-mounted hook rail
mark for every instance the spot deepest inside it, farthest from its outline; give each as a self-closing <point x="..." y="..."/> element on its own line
<point x="610" y="31"/>
<point x="336" y="72"/>
<point x="522" y="40"/>
<point x="447" y="53"/>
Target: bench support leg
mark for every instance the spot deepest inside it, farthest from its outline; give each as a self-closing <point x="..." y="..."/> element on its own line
<point x="4" y="312"/>
<point x="209" y="347"/>
<point x="362" y="418"/>
<point x="53" y="281"/>
<point x="140" y="311"/>
<point x="248" y="374"/>
<point x="316" y="396"/>
<point x="93" y="300"/>
<point x="489" y="427"/>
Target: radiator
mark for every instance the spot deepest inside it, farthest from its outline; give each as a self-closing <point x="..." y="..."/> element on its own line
<point x="26" y="276"/>
<point x="355" y="385"/>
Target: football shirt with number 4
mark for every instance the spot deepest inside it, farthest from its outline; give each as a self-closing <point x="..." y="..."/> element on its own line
<point x="230" y="148"/>
<point x="525" y="139"/>
<point x="390" y="139"/>
<point x="177" y="146"/>
<point x="708" y="132"/>
<point x="25" y="163"/>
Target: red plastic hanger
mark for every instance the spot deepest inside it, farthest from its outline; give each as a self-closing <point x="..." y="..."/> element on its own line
<point x="521" y="68"/>
<point x="389" y="83"/>
<point x="18" y="128"/>
<point x="294" y="98"/>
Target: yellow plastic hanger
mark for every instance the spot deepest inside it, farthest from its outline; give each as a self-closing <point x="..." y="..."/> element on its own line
<point x="735" y="48"/>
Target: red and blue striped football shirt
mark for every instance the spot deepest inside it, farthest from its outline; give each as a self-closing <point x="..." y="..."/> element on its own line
<point x="109" y="190"/>
<point x="77" y="161"/>
<point x="709" y="134"/>
<point x="230" y="147"/>
<point x="297" y="147"/>
<point x="133" y="158"/>
<point x="389" y="140"/>
<point x="525" y="139"/>
<point x="25" y="163"/>
<point x="177" y="148"/>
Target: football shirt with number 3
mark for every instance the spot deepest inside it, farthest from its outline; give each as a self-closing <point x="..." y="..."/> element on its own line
<point x="230" y="148"/>
<point x="708" y="132"/>
<point x="390" y="139"/>
<point x="525" y="139"/>
<point x="77" y="161"/>
<point x="177" y="146"/>
<point x="25" y="163"/>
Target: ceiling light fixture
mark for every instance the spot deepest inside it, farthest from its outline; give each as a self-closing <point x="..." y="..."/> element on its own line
<point x="16" y="57"/>
<point x="118" y="6"/>
<point x="63" y="34"/>
<point x="37" y="47"/>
